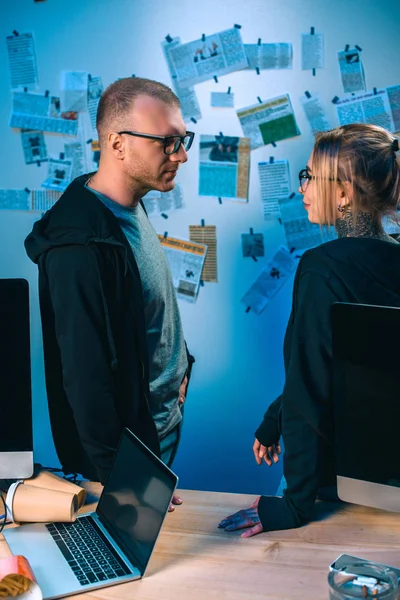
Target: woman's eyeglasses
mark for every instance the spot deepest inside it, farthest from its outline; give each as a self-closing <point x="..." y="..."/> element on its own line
<point x="172" y="143"/>
<point x="304" y="178"/>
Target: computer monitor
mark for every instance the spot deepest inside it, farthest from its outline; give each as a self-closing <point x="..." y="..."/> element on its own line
<point x="16" y="440"/>
<point x="366" y="390"/>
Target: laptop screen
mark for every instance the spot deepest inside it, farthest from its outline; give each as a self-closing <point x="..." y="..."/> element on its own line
<point x="366" y="352"/>
<point x="15" y="368"/>
<point x="135" y="499"/>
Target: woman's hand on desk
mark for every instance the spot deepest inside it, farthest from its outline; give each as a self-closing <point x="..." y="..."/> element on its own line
<point x="268" y="453"/>
<point x="244" y="519"/>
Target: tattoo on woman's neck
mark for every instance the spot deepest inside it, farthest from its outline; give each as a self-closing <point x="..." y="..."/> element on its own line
<point x="363" y="226"/>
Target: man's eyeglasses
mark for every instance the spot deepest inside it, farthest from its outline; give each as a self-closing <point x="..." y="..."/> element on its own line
<point x="304" y="178"/>
<point x="172" y="143"/>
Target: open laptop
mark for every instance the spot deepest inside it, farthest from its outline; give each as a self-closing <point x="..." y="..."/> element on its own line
<point x="112" y="545"/>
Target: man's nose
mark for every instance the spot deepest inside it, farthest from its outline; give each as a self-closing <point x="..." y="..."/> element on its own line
<point x="180" y="156"/>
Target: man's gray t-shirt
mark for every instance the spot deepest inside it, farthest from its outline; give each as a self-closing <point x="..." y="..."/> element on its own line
<point x="165" y="341"/>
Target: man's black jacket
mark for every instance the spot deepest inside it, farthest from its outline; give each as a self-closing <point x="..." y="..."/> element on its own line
<point x="94" y="332"/>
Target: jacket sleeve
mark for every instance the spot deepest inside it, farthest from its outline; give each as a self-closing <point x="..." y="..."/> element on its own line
<point x="80" y="315"/>
<point x="306" y="404"/>
<point x="269" y="432"/>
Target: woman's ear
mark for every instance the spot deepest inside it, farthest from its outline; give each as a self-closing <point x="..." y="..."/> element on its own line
<point x="344" y="194"/>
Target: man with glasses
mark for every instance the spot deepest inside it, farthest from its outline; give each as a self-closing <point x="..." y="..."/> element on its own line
<point x="115" y="354"/>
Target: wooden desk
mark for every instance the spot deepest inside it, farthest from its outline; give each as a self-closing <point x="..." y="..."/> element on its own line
<point x="193" y="560"/>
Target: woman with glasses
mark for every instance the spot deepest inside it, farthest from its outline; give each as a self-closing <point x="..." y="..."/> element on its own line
<point x="352" y="180"/>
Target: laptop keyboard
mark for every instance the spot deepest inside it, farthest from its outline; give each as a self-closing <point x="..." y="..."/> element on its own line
<point x="87" y="551"/>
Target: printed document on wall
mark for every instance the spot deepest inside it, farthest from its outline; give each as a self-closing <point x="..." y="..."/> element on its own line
<point x="207" y="235"/>
<point x="22" y="60"/>
<point x="269" y="122"/>
<point x="252" y="245"/>
<point x="74" y="90"/>
<point x="270" y="280"/>
<point x="58" y="175"/>
<point x="34" y="146"/>
<point x="269" y="56"/>
<point x="351" y="71"/>
<point x="393" y="93"/>
<point x="37" y="112"/>
<point x="222" y="100"/>
<point x="312" y="51"/>
<point x="190" y="106"/>
<point x="43" y="200"/>
<point x="186" y="261"/>
<point x="275" y="185"/>
<point x="224" y="167"/>
<point x="15" y="199"/>
<point x="94" y="91"/>
<point x="159" y="203"/>
<point x="369" y="107"/>
<point x="315" y="113"/>
<point x="202" y="59"/>
<point x="75" y="152"/>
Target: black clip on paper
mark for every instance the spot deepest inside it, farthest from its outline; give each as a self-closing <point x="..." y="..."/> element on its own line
<point x="237" y="26"/>
<point x="254" y="258"/>
<point x="229" y="90"/>
<point x="202" y="222"/>
<point x="248" y="309"/>
<point x="203" y="37"/>
<point x="219" y="200"/>
<point x="292" y="195"/>
<point x="335" y="100"/>
<point x="164" y="216"/>
<point x="312" y="30"/>
<point x="215" y="79"/>
<point x="193" y="120"/>
<point x="46" y="94"/>
<point x="314" y="72"/>
<point x="307" y="93"/>
<point x="61" y="155"/>
<point x="358" y="48"/>
<point x="273" y="144"/>
<point x="271" y="160"/>
<point x="27" y="190"/>
<point x="168" y="38"/>
<point x="165" y="235"/>
<point x="375" y="91"/>
<point x="259" y="42"/>
<point x="89" y="141"/>
<point x="259" y="99"/>
<point x="347" y="48"/>
<point x="15" y="32"/>
<point x="251" y="231"/>
<point x="258" y="70"/>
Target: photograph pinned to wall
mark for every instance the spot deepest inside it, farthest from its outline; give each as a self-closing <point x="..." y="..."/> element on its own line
<point x="15" y="199"/>
<point x="278" y="270"/>
<point x="186" y="261"/>
<point x="22" y="60"/>
<point x="315" y="113"/>
<point x="275" y="184"/>
<point x="252" y="245"/>
<point x="58" y="175"/>
<point x="207" y="235"/>
<point x="351" y="71"/>
<point x="312" y="51"/>
<point x="212" y="55"/>
<point x="269" y="56"/>
<point x="75" y="152"/>
<point x="34" y="111"/>
<point x="190" y="106"/>
<point x="222" y="100"/>
<point x="74" y="91"/>
<point x="160" y="203"/>
<point x="34" y="146"/>
<point x="94" y="91"/>
<point x="269" y="122"/>
<point x="43" y="200"/>
<point x="300" y="233"/>
<point x="224" y="167"/>
<point x="393" y="93"/>
<point x="95" y="149"/>
<point x="370" y="107"/>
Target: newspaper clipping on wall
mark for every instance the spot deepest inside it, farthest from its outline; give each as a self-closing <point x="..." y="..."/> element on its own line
<point x="186" y="261"/>
<point x="370" y="107"/>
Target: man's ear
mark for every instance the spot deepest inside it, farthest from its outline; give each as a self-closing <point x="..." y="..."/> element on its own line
<point x="116" y="145"/>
